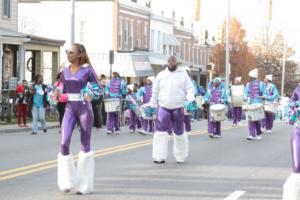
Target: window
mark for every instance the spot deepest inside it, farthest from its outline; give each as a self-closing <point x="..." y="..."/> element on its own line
<point x="152" y="40"/>
<point x="126" y="34"/>
<point x="146" y="35"/>
<point x="138" y="34"/>
<point x="6" y="9"/>
<point x="47" y="67"/>
<point x="198" y="52"/>
<point x="158" y="41"/>
<point x="184" y="51"/>
<point x="131" y="36"/>
<point x="120" y="34"/>
<point x="188" y="52"/>
<point x="164" y="49"/>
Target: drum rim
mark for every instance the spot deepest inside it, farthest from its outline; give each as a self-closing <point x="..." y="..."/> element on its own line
<point x="211" y="107"/>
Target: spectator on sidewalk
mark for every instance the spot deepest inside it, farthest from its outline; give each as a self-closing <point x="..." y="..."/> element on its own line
<point x="21" y="102"/>
<point x="96" y="104"/>
<point x="62" y="102"/>
<point x="103" y="114"/>
<point x="39" y="103"/>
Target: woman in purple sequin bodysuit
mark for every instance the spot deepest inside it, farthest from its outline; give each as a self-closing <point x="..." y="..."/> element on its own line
<point x="78" y="111"/>
<point x="291" y="188"/>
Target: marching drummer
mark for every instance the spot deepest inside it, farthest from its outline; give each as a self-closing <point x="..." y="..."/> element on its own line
<point x="215" y="95"/>
<point x="188" y="116"/>
<point x="271" y="97"/>
<point x="146" y="93"/>
<point x="211" y="84"/>
<point x="133" y="99"/>
<point x="237" y="110"/>
<point x="254" y="92"/>
<point x="115" y="88"/>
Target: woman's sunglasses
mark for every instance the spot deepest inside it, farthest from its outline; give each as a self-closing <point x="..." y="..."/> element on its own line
<point x="69" y="52"/>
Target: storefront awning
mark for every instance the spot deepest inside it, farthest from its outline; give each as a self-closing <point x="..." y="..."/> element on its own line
<point x="12" y="37"/>
<point x="126" y="64"/>
<point x="170" y="40"/>
<point x="142" y="66"/>
<point x="158" y="59"/>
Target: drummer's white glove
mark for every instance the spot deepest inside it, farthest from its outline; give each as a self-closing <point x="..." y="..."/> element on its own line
<point x="153" y="105"/>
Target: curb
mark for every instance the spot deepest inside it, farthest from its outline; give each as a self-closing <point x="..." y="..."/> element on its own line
<point x="29" y="129"/>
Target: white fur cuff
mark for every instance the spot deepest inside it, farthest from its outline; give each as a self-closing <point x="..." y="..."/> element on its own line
<point x="291" y="188"/>
<point x="181" y="147"/>
<point x="66" y="173"/>
<point x="160" y="146"/>
<point x="85" y="172"/>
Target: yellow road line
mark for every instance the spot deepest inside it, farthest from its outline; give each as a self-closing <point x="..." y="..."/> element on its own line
<point x="13" y="173"/>
<point x="27" y="172"/>
<point x="75" y="157"/>
<point x="54" y="165"/>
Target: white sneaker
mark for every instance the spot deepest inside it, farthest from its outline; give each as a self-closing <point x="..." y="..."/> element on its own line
<point x="269" y="131"/>
<point x="258" y="137"/>
<point x="117" y="132"/>
<point x="109" y="132"/>
<point x="131" y="131"/>
<point x="211" y="135"/>
<point x="250" y="137"/>
<point x="263" y="130"/>
<point x="216" y="136"/>
<point x="143" y="132"/>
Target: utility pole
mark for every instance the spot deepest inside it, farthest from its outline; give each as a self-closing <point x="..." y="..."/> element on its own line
<point x="283" y="66"/>
<point x="227" y="71"/>
<point x="72" y="21"/>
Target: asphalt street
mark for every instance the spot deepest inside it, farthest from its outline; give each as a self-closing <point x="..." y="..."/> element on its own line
<point x="227" y="168"/>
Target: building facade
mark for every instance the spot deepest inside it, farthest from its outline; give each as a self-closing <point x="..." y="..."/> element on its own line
<point x="11" y="45"/>
<point x="163" y="43"/>
<point x="141" y="40"/>
<point x="122" y="26"/>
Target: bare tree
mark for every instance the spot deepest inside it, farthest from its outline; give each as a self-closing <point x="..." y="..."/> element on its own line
<point x="268" y="49"/>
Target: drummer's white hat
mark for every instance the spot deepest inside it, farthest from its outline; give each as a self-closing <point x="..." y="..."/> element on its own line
<point x="253" y="73"/>
<point x="238" y="78"/>
<point x="217" y="80"/>
<point x="269" y="77"/>
<point x="130" y="87"/>
<point x="151" y="78"/>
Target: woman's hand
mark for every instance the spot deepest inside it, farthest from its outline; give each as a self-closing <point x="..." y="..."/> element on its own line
<point x="88" y="98"/>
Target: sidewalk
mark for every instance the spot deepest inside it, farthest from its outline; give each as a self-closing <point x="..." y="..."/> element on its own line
<point x="13" y="128"/>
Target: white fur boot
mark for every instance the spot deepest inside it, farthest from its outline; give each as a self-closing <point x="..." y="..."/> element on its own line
<point x="85" y="172"/>
<point x="66" y="173"/>
<point x="181" y="147"/>
<point x="160" y="146"/>
<point x="291" y="188"/>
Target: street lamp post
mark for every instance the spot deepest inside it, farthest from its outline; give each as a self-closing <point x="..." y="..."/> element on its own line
<point x="72" y="21"/>
<point x="283" y="67"/>
<point x="227" y="71"/>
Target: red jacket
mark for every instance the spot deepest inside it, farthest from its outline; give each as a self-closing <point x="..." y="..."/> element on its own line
<point x="20" y="89"/>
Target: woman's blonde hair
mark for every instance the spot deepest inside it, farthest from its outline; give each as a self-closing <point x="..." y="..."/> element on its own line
<point x="83" y="57"/>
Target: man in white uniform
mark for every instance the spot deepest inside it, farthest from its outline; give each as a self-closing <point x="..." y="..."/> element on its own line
<point x="170" y="89"/>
